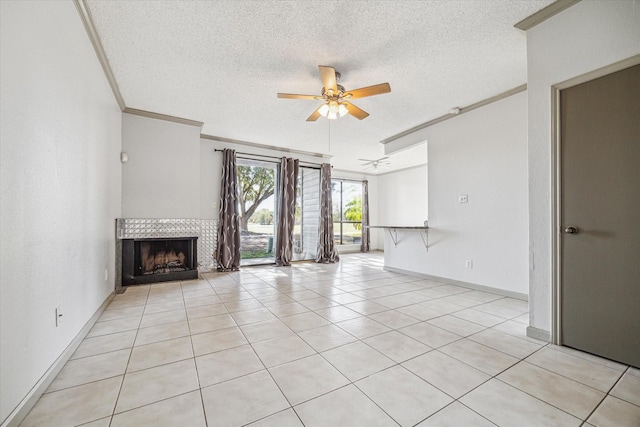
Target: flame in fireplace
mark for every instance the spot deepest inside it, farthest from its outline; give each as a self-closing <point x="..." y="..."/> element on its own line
<point x="161" y="260"/>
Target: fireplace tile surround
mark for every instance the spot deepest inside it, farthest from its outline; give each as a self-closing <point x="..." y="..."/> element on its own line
<point x="151" y="228"/>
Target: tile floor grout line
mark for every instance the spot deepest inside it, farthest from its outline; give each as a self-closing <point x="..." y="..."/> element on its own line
<point x="465" y="393"/>
<point x="374" y="402"/>
<point x="286" y="281"/>
<point x="351" y="382"/>
<point x="491" y="377"/>
<point x="476" y="412"/>
<point x="266" y="369"/>
<point x="195" y="364"/>
<point x="535" y="397"/>
<point x="608" y="393"/>
<point x="453" y="402"/>
<point x="124" y="374"/>
<point x="579" y="354"/>
<point x="548" y="347"/>
<point x="541" y="400"/>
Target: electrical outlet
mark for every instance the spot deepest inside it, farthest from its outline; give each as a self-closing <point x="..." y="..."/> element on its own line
<point x="463" y="198"/>
<point x="58" y="316"/>
<point x="106" y="274"/>
<point x="468" y="264"/>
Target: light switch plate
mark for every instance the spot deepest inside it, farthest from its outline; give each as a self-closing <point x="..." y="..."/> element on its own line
<point x="58" y="316"/>
<point x="463" y="198"/>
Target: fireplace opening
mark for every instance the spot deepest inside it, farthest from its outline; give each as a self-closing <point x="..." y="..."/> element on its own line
<point x="159" y="260"/>
<point x="163" y="257"/>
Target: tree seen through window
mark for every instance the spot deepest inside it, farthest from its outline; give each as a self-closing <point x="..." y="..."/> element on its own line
<point x="347" y="212"/>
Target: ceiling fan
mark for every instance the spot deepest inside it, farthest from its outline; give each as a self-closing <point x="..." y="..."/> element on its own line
<point x="335" y="96"/>
<point x="383" y="161"/>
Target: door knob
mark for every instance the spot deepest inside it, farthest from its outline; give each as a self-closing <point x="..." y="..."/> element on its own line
<point x="571" y="230"/>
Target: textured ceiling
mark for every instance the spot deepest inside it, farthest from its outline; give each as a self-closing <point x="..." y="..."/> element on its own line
<point x="222" y="63"/>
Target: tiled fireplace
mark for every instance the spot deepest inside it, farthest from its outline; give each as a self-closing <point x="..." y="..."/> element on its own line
<point x="159" y="260"/>
<point x="150" y="250"/>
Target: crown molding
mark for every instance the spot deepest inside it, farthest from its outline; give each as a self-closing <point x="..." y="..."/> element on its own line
<point x="266" y="147"/>
<point x="599" y="72"/>
<point x="410" y="136"/>
<point x="355" y="172"/>
<point x="87" y="21"/>
<point x="165" y="117"/>
<point x="544" y="14"/>
<point x="352" y="172"/>
<point x="421" y="165"/>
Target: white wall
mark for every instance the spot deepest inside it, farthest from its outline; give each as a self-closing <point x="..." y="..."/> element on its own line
<point x="60" y="188"/>
<point x="583" y="38"/>
<point x="162" y="177"/>
<point x="404" y="198"/>
<point x="481" y="154"/>
<point x="210" y="176"/>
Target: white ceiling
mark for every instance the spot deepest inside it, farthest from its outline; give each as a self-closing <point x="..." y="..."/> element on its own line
<point x="222" y="63"/>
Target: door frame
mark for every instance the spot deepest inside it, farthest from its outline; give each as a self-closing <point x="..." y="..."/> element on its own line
<point x="556" y="190"/>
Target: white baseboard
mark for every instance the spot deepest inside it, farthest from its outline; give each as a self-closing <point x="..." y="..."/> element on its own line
<point x="27" y="403"/>
<point x="498" y="291"/>
<point x="539" y="334"/>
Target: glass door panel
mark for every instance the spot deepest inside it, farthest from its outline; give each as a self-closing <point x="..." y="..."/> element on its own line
<point x="305" y="231"/>
<point x="347" y="212"/>
<point x="257" y="183"/>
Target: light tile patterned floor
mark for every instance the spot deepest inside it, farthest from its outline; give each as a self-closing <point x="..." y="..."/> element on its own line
<point x="328" y="345"/>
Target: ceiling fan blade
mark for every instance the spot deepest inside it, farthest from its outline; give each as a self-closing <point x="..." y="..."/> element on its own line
<point x="328" y="76"/>
<point x="356" y="112"/>
<point x="315" y="115"/>
<point x="368" y="91"/>
<point x="296" y="96"/>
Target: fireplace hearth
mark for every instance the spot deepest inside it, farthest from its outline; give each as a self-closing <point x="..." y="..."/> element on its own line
<point x="159" y="260"/>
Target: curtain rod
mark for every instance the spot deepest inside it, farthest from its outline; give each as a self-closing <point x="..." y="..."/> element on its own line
<point x="268" y="157"/>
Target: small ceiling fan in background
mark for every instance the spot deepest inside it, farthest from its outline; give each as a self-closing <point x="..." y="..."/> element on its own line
<point x="335" y="96"/>
<point x="382" y="162"/>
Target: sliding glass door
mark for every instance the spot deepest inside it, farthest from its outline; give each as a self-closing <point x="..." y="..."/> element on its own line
<point x="258" y="199"/>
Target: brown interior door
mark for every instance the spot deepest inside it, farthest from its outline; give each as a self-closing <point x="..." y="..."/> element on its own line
<point x="600" y="232"/>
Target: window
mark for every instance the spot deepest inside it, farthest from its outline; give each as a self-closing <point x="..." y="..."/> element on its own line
<point x="256" y="190"/>
<point x="305" y="230"/>
<point x="347" y="212"/>
<point x="258" y="202"/>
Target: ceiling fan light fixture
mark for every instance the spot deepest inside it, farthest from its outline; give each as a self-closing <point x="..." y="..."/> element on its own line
<point x="342" y="109"/>
<point x="329" y="110"/>
<point x="335" y="95"/>
<point x="333" y="109"/>
<point x="324" y="110"/>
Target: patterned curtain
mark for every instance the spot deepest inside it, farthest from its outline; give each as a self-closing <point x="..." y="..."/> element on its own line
<point x="228" y="247"/>
<point x="327" y="252"/>
<point x="286" y="211"/>
<point x="364" y="247"/>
